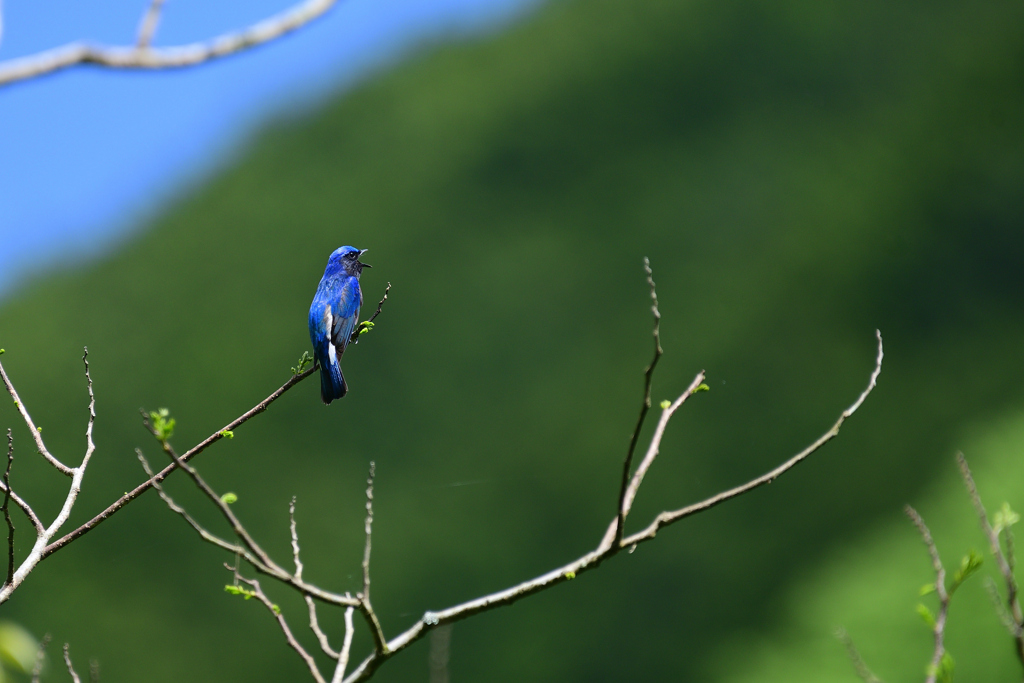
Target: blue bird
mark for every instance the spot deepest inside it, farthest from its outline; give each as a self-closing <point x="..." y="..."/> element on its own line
<point x="333" y="316"/>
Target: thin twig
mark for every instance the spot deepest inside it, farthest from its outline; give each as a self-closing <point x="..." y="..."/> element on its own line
<point x="605" y="549"/>
<point x="379" y="641"/>
<point x="6" y="507"/>
<point x="346" y="648"/>
<point x="35" y="431"/>
<point x="314" y="626"/>
<point x="621" y="510"/>
<point x="863" y="672"/>
<point x="37" y="553"/>
<point x="71" y="669"/>
<point x="40" y="658"/>
<point x="358" y="331"/>
<point x="185" y="457"/>
<point x="939" y="628"/>
<point x="666" y="518"/>
<point x="295" y="538"/>
<point x="147" y="28"/>
<point x="145" y="57"/>
<point x="1002" y="560"/>
<point x="162" y="474"/>
<point x="292" y="642"/>
<point x="369" y="531"/>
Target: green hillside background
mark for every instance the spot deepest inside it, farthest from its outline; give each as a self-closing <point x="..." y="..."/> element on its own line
<point x="800" y="174"/>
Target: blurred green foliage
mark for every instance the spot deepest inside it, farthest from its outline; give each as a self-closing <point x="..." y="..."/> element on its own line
<point x="799" y="173"/>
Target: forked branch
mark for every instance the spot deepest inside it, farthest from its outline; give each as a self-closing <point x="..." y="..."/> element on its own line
<point x="612" y="542"/>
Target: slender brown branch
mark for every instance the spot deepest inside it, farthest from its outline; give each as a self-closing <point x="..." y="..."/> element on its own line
<point x="71" y="669"/>
<point x="354" y="339"/>
<point x="35" y="431"/>
<point x="1002" y="560"/>
<point x="621" y="510"/>
<point x="142" y="56"/>
<point x="162" y="474"/>
<point x="7" y="509"/>
<point x="939" y="628"/>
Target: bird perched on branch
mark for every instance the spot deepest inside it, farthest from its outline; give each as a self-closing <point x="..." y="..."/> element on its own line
<point x="333" y="317"/>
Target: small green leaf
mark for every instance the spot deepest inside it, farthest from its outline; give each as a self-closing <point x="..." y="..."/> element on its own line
<point x="277" y="610"/>
<point x="945" y="671"/>
<point x="969" y="564"/>
<point x="570" y="575"/>
<point x="227" y="434"/>
<point x="229" y="498"/>
<point x="162" y="423"/>
<point x="2" y="352"/>
<point x="665" y="404"/>
<point x="701" y="387"/>
<point x="926" y="614"/>
<point x="304" y="361"/>
<point x="238" y="590"/>
<point x="1004" y="518"/>
<point x="927" y="588"/>
<point x="39" y="429"/>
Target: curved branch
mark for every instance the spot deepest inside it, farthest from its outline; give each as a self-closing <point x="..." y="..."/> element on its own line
<point x="607" y="547"/>
<point x="142" y="56"/>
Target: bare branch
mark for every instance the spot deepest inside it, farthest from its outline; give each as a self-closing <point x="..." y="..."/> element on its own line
<point x="354" y="339"/>
<point x="145" y="57"/>
<point x="35" y="431"/>
<point x="202" y="531"/>
<point x="346" y="647"/>
<point x="369" y="532"/>
<point x="292" y="642"/>
<point x="863" y="672"/>
<point x="666" y="518"/>
<point x="1004" y="561"/>
<point x="6" y="508"/>
<point x="314" y="626"/>
<point x="77" y="474"/>
<point x="605" y="549"/>
<point x="40" y="658"/>
<point x="71" y="669"/>
<point x="147" y="28"/>
<point x="379" y="641"/>
<point x="621" y="510"/>
<point x="188" y="455"/>
<point x="940" y="589"/>
<point x="295" y="539"/>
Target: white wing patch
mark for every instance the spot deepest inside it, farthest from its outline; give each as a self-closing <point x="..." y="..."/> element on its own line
<point x="332" y="353"/>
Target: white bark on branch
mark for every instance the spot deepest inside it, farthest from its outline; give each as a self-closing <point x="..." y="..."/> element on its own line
<point x="142" y="56"/>
<point x="44" y="534"/>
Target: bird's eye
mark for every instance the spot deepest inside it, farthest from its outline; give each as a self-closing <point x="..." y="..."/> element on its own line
<point x="350" y="254"/>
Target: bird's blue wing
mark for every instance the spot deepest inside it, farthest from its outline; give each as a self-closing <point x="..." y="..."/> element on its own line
<point x="345" y="313"/>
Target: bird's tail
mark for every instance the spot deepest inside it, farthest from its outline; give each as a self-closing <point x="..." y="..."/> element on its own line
<point x="332" y="382"/>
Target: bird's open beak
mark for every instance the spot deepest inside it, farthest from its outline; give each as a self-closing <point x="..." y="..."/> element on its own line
<point x="361" y="252"/>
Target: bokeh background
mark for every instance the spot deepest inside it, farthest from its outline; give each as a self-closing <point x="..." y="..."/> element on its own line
<point x="800" y="174"/>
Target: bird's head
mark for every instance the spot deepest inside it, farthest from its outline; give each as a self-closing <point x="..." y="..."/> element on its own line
<point x="347" y="259"/>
